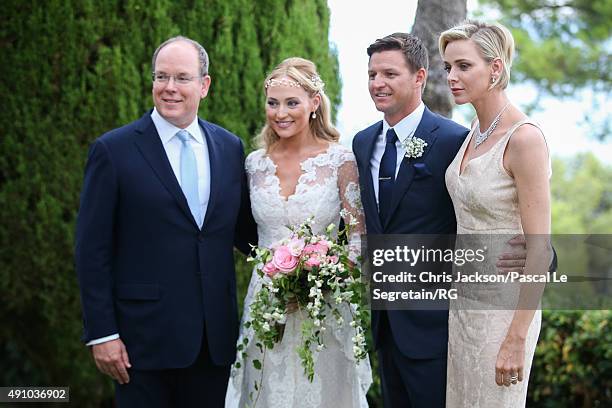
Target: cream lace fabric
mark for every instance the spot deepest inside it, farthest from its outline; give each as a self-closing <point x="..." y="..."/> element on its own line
<point x="486" y="205"/>
<point x="329" y="183"/>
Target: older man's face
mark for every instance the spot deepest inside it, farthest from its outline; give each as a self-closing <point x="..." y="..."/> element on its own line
<point x="178" y="103"/>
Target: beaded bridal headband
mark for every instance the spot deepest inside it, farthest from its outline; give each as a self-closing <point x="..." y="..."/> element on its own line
<point x="315" y="79"/>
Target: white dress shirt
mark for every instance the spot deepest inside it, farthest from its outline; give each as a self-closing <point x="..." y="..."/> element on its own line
<point x="403" y="129"/>
<point x="172" y="145"/>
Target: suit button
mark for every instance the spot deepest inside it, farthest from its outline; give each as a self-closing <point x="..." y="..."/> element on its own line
<point x="200" y="237"/>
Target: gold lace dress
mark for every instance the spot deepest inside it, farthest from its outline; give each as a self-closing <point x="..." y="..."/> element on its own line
<point x="486" y="205"/>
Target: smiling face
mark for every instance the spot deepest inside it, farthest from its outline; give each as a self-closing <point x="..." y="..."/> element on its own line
<point x="469" y="74"/>
<point x="394" y="88"/>
<point x="178" y="103"/>
<point x="288" y="109"/>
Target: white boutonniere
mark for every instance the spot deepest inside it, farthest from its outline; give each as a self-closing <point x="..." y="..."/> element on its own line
<point x="415" y="146"/>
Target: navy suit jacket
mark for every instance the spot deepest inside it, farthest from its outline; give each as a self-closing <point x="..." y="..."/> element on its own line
<point x="420" y="205"/>
<point x="146" y="270"/>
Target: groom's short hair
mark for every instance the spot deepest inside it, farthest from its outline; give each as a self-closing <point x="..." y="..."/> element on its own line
<point x="410" y="45"/>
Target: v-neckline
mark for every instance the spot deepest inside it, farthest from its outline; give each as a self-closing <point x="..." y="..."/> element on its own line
<point x="286" y="199"/>
<point x="464" y="153"/>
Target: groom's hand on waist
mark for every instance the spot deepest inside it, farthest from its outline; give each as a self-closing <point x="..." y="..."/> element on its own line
<point x="111" y="358"/>
<point x="513" y="261"/>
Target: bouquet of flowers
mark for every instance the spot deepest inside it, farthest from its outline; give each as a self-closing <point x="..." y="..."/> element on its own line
<point x="313" y="275"/>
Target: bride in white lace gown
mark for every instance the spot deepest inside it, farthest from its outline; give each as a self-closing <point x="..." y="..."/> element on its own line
<point x="301" y="172"/>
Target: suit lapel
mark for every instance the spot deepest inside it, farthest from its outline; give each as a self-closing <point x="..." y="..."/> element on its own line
<point x="150" y="145"/>
<point x="215" y="154"/>
<point x="366" y="175"/>
<point x="405" y="176"/>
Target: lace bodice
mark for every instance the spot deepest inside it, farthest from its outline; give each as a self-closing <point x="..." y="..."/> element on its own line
<point x="329" y="183"/>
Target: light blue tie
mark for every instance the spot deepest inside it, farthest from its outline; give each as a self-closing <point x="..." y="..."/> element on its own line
<point x="189" y="176"/>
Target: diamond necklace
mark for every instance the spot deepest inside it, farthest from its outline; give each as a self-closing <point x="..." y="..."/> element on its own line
<point x="481" y="137"/>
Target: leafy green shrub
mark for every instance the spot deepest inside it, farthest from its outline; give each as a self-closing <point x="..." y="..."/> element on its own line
<point x="572" y="365"/>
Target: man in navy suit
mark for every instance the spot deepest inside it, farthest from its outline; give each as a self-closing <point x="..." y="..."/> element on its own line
<point x="407" y="196"/>
<point x="164" y="201"/>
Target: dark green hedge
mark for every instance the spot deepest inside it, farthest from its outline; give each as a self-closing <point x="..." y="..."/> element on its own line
<point x="72" y="70"/>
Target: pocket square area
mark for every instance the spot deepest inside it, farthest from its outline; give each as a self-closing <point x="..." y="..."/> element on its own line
<point x="421" y="170"/>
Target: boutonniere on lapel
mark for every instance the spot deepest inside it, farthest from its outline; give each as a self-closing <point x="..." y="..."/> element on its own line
<point x="415" y="146"/>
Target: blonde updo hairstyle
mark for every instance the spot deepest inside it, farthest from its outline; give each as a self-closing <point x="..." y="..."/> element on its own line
<point x="493" y="40"/>
<point x="303" y="72"/>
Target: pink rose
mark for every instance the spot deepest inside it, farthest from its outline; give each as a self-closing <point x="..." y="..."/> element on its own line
<point x="284" y="260"/>
<point x="325" y="244"/>
<point x="270" y="270"/>
<point x="313" y="261"/>
<point x="310" y="249"/>
<point x="318" y="248"/>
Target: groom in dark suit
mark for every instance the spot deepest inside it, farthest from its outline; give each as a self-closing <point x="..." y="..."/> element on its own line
<point x="407" y="196"/>
<point x="164" y="201"/>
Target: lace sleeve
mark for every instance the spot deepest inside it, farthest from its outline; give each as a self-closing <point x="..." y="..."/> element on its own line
<point x="348" y="185"/>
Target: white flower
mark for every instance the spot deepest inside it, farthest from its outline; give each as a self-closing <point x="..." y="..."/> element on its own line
<point x="266" y="326"/>
<point x="320" y="347"/>
<point x="317" y="323"/>
<point x="415" y="146"/>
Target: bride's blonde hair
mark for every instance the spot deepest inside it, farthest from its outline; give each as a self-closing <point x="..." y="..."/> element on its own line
<point x="304" y="73"/>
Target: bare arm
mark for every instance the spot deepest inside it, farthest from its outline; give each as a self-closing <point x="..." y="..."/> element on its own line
<point x="526" y="159"/>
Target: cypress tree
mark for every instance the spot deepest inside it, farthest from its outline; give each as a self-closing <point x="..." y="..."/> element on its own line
<point x="71" y="71"/>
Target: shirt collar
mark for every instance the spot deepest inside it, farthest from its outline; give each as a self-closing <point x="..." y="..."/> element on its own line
<point x="167" y="130"/>
<point x="406" y="126"/>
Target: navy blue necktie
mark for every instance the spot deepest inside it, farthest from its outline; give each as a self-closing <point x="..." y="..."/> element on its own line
<point x="386" y="176"/>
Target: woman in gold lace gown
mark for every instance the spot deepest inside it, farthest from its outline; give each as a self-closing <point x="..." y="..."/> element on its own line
<point x="499" y="184"/>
